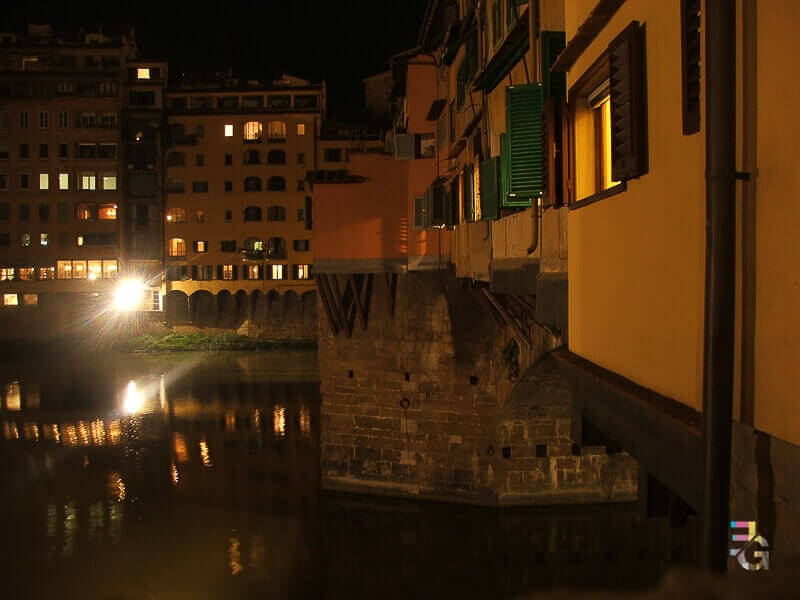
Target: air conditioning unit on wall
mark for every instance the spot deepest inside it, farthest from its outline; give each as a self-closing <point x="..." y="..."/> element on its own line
<point x="404" y="148"/>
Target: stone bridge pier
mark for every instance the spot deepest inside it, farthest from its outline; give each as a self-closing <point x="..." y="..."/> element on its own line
<point x="428" y="391"/>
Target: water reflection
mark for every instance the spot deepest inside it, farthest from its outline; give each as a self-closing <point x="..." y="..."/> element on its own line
<point x="210" y="488"/>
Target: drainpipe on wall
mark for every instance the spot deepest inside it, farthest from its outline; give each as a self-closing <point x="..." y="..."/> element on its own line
<point x="534" y="226"/>
<point x="718" y="352"/>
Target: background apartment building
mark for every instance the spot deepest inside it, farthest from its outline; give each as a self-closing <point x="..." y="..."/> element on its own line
<point x="238" y="210"/>
<point x="62" y="203"/>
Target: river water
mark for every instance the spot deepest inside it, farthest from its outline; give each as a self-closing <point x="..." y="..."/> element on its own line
<point x="197" y="476"/>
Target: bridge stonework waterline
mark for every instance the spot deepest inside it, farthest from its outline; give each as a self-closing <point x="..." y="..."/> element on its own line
<point x="430" y="389"/>
<point x="269" y="314"/>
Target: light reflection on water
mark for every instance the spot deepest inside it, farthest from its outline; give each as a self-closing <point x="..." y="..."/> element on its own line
<point x="201" y="480"/>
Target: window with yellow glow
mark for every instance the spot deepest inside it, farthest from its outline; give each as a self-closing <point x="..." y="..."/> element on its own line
<point x="176" y="247"/>
<point x="88" y="181"/>
<point x="79" y="270"/>
<point x="10" y="300"/>
<point x="63" y="181"/>
<point x="107" y="212"/>
<point x="109" y="269"/>
<point x="301" y="129"/>
<point x="79" y="240"/>
<point x="602" y="111"/>
<point x="64" y="269"/>
<point x="176" y="215"/>
<point x="84" y="212"/>
<point x="252" y="131"/>
<point x="228" y="130"/>
<point x="95" y="269"/>
<point x="44" y="181"/>
<point x="109" y="181"/>
<point x="227" y="271"/>
<point x="276" y="130"/>
<point x="30" y="299"/>
<point x="27" y="274"/>
<point x="7" y="273"/>
<point x="277" y="272"/>
<point x="143" y="73"/>
<point x="46" y="273"/>
<point x="302" y="272"/>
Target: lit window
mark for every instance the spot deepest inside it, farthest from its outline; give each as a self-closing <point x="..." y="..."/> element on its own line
<point x="176" y="247"/>
<point x="109" y="269"/>
<point x="228" y="130"/>
<point x="176" y="215"/>
<point x="79" y="269"/>
<point x="109" y="181"/>
<point x="95" y="269"/>
<point x="64" y="269"/>
<point x="25" y="240"/>
<point x="200" y="216"/>
<point x="253" y="272"/>
<point x="88" y="181"/>
<point x="603" y="116"/>
<point x="201" y="246"/>
<point x="301" y="129"/>
<point x="276" y="130"/>
<point x="6" y="274"/>
<point x="30" y="299"/>
<point x="27" y="274"/>
<point x="44" y="181"/>
<point x="43" y="239"/>
<point x="107" y="212"/>
<point x="302" y="272"/>
<point x="10" y="300"/>
<point x="79" y="240"/>
<point x="63" y="181"/>
<point x="252" y="131"/>
<point x="227" y="271"/>
<point x="142" y="73"/>
<point x="277" y="272"/>
<point x="47" y="273"/>
<point x="84" y="212"/>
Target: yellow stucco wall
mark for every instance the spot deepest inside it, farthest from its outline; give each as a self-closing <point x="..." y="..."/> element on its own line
<point x="777" y="325"/>
<point x="636" y="273"/>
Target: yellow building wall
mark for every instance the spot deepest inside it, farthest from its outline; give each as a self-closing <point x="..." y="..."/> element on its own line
<point x="636" y="273"/>
<point x="777" y="325"/>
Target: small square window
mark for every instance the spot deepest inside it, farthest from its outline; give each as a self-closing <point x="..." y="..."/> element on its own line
<point x="109" y="181"/>
<point x="3" y="181"/>
<point x="25" y="240"/>
<point x="301" y="158"/>
<point x="228" y="159"/>
<point x="43" y="150"/>
<point x="10" y="300"/>
<point x="200" y="160"/>
<point x="23" y="150"/>
<point x="301" y="214"/>
<point x="63" y="181"/>
<point x="228" y="130"/>
<point x="43" y="239"/>
<point x="24" y="181"/>
<point x="143" y="73"/>
<point x="62" y="151"/>
<point x="228" y="216"/>
<point x="301" y="129"/>
<point x="228" y="186"/>
<point x="200" y="131"/>
<point x="30" y="299"/>
<point x="44" y="181"/>
<point x="301" y="185"/>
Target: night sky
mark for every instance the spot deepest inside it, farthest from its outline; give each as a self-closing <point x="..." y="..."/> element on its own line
<point x="340" y="41"/>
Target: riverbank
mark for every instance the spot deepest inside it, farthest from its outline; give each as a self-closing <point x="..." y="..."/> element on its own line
<point x="199" y="341"/>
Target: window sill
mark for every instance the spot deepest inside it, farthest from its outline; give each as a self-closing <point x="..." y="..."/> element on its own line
<point x="607" y="193"/>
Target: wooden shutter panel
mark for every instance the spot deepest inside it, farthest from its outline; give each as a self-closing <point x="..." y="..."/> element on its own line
<point x="524" y="143"/>
<point x="469" y="196"/>
<point x="194" y="272"/>
<point x="307" y="213"/>
<point x="220" y="274"/>
<point x="690" y="65"/>
<point x="490" y="173"/>
<point x="503" y="168"/>
<point x="552" y="43"/>
<point x="419" y="213"/>
<point x="235" y="271"/>
<point x="554" y="152"/>
<point x="454" y="197"/>
<point x="628" y="115"/>
<point x="439" y="208"/>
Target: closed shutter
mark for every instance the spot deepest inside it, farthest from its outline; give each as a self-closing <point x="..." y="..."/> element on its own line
<point x="467" y="180"/>
<point x="307" y="213"/>
<point x="454" y="214"/>
<point x="524" y="143"/>
<point x="553" y="84"/>
<point x="690" y="65"/>
<point x="235" y="271"/>
<point x="554" y="152"/>
<point x="628" y="117"/>
<point x="220" y="273"/>
<point x="194" y="273"/>
<point x="503" y="168"/>
<point x="439" y="209"/>
<point x="490" y="173"/>
<point x="421" y="214"/>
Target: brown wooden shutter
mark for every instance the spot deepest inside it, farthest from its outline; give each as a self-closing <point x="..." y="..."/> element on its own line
<point x="555" y="151"/>
<point x="628" y="115"/>
<point x="690" y="65"/>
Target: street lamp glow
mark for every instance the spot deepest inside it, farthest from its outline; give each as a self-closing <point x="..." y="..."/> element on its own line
<point x="133" y="400"/>
<point x="128" y="295"/>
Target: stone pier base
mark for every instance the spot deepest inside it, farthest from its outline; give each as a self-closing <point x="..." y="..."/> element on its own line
<point x="436" y="400"/>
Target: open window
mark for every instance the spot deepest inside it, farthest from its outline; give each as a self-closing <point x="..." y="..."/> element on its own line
<point x="608" y="121"/>
<point x="253" y="131"/>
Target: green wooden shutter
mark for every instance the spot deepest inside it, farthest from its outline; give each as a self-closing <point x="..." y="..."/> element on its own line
<point x="490" y="188"/>
<point x="469" y="197"/>
<point x="503" y="169"/>
<point x="553" y="84"/>
<point x="524" y="143"/>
